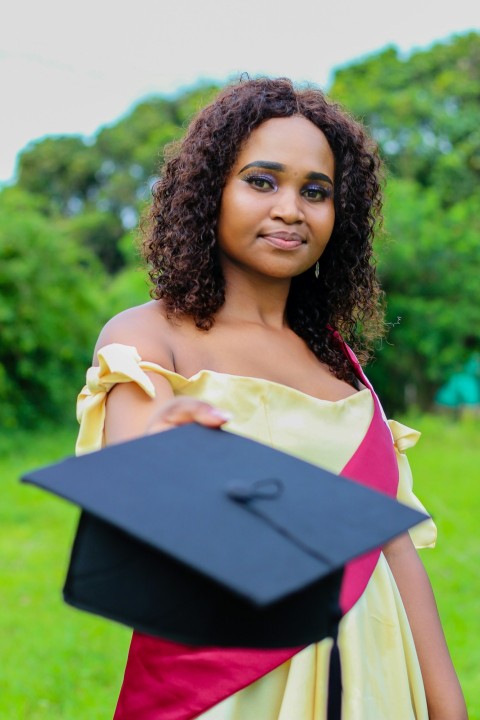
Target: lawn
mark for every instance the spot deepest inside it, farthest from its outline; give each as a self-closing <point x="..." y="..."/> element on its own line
<point x="58" y="663"/>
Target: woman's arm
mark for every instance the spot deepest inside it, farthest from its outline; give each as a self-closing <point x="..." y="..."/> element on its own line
<point x="444" y="696"/>
<point x="131" y="413"/>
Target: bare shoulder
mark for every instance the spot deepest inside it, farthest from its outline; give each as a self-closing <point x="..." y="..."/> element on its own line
<point x="145" y="327"/>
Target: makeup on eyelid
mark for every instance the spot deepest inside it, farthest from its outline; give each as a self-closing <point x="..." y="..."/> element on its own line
<point x="280" y="167"/>
<point x="254" y="178"/>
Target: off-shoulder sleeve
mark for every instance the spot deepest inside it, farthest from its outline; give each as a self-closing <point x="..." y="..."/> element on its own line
<point x="117" y="364"/>
<point x="425" y="534"/>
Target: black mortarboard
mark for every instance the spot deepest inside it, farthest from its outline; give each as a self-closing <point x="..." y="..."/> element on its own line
<point x="205" y="537"/>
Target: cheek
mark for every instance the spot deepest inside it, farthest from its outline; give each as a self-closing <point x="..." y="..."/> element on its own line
<point x="236" y="215"/>
<point x="237" y="201"/>
<point x="325" y="223"/>
<point x="227" y="220"/>
<point x="332" y="222"/>
<point x="229" y="228"/>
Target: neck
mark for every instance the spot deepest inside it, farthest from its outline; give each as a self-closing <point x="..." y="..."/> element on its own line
<point x="255" y="299"/>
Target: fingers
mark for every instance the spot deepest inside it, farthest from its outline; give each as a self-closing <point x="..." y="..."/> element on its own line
<point x="181" y="411"/>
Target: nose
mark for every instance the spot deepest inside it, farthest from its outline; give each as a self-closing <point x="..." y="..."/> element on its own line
<point x="286" y="206"/>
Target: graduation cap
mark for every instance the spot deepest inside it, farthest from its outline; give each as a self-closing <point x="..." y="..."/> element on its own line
<point x="205" y="537"/>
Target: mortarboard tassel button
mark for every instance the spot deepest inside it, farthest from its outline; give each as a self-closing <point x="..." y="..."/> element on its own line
<point x="265" y="489"/>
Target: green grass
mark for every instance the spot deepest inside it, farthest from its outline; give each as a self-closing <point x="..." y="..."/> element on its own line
<point x="58" y="663"/>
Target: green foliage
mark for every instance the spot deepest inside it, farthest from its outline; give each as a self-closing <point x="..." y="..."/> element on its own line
<point x="98" y="189"/>
<point x="423" y="111"/>
<point x="71" y="212"/>
<point x="429" y="267"/>
<point x="127" y="289"/>
<point x="49" y="312"/>
<point x="190" y="102"/>
<point x="62" y="170"/>
<point x="99" y="232"/>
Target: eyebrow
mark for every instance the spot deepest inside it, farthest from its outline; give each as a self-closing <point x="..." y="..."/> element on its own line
<point x="268" y="165"/>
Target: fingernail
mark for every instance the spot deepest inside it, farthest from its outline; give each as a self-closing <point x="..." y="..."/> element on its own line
<point x="223" y="414"/>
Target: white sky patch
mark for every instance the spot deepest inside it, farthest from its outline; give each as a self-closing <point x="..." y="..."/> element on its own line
<point x="71" y="67"/>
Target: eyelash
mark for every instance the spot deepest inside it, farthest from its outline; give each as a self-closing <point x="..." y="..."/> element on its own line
<point x="325" y="192"/>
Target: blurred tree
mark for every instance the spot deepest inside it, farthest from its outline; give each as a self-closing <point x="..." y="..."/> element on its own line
<point x="429" y="268"/>
<point x="190" y="102"/>
<point x="423" y="111"/>
<point x="74" y="201"/>
<point x="50" y="312"/>
<point x="131" y="285"/>
<point x="99" y="188"/>
<point x="100" y="233"/>
<point x="60" y="169"/>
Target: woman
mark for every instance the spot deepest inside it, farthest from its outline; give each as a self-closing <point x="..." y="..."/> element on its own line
<point x="260" y="244"/>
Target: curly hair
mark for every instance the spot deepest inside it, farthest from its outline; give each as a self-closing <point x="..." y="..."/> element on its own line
<point x="180" y="234"/>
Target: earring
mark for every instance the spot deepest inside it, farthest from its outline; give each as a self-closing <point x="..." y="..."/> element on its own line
<point x="317" y="269"/>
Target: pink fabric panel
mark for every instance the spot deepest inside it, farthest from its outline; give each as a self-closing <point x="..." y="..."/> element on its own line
<point x="169" y="681"/>
<point x="374" y="464"/>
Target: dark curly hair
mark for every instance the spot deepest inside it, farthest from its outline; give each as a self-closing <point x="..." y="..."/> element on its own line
<point x="180" y="233"/>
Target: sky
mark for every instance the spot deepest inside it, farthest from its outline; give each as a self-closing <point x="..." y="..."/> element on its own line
<point x="73" y="67"/>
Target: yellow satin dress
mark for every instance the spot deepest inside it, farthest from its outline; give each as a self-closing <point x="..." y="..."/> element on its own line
<point x="381" y="673"/>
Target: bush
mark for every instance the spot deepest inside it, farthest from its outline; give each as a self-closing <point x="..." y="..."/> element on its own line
<point x="51" y="306"/>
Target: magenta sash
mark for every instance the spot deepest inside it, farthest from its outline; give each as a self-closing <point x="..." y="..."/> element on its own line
<point x="169" y="681"/>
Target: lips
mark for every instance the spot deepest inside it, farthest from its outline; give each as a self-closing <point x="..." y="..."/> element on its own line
<point x="283" y="240"/>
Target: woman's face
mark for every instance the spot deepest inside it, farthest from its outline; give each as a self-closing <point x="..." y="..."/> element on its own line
<point x="277" y="211"/>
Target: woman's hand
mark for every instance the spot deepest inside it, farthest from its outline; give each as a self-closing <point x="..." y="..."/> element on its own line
<point x="131" y="413"/>
<point x="184" y="410"/>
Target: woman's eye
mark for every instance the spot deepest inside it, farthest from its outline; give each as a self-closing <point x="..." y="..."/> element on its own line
<point x="259" y="182"/>
<point x="317" y="193"/>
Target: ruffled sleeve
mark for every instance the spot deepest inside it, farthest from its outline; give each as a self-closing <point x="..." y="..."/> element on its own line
<point x="425" y="534"/>
<point x="117" y="364"/>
